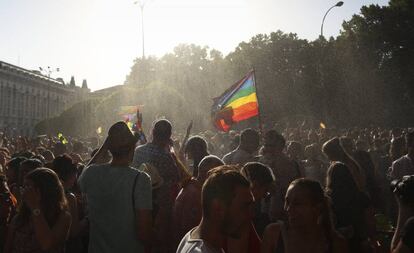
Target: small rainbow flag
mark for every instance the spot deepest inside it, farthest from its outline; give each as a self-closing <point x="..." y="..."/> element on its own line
<point x="128" y="112"/>
<point x="236" y="104"/>
<point x="127" y="109"/>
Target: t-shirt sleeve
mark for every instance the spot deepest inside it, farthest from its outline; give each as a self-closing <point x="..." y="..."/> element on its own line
<point x="396" y="170"/>
<point x="83" y="179"/>
<point x="143" y="192"/>
<point x="227" y="159"/>
<point x="138" y="158"/>
<point x="135" y="159"/>
<point x="408" y="234"/>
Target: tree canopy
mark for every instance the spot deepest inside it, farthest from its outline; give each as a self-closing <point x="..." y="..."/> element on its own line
<point x="362" y="77"/>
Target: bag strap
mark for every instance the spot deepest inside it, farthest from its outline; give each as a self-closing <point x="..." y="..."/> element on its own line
<point x="133" y="192"/>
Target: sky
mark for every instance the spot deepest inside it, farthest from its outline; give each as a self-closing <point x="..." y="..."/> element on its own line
<point x="98" y="40"/>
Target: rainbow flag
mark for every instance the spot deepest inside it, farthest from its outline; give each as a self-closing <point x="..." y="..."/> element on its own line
<point x="236" y="104"/>
<point x="128" y="112"/>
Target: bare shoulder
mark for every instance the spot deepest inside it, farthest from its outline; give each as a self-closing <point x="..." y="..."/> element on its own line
<point x="270" y="237"/>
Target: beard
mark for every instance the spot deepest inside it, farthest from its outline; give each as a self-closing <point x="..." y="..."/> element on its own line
<point x="230" y="229"/>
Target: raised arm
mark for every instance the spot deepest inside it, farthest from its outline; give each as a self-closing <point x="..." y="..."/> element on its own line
<point x="47" y="236"/>
<point x="99" y="154"/>
<point x="184" y="142"/>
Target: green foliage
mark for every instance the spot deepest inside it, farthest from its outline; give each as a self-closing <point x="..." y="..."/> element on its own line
<point x="156" y="100"/>
<point x="78" y="120"/>
<point x="380" y="47"/>
<point x="82" y="119"/>
<point x="197" y="73"/>
<point x="362" y="77"/>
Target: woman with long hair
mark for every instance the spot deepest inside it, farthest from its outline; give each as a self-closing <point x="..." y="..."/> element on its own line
<point x="66" y="170"/>
<point x="42" y="224"/>
<point x="309" y="227"/>
<point x="336" y="153"/>
<point x="352" y="208"/>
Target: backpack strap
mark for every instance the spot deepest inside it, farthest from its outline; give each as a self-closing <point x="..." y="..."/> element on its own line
<point x="133" y="192"/>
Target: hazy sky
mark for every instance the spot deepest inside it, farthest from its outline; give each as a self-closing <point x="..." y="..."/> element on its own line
<point x="98" y="39"/>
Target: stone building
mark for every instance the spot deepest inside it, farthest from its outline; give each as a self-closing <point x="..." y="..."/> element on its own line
<point x="27" y="97"/>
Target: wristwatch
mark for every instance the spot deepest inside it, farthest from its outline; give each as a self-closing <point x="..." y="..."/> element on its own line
<point x="36" y="212"/>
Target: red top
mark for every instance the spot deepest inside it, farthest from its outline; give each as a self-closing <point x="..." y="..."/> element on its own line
<point x="254" y="241"/>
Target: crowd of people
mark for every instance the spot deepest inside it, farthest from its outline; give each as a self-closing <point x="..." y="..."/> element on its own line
<point x="280" y="190"/>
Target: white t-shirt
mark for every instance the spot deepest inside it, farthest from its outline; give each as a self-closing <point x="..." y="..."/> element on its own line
<point x="402" y="167"/>
<point x="189" y="245"/>
<point x="238" y="156"/>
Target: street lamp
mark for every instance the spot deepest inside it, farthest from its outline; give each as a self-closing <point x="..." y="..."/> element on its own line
<point x="338" y="4"/>
<point x="141" y="4"/>
<point x="48" y="71"/>
<point x="324" y="97"/>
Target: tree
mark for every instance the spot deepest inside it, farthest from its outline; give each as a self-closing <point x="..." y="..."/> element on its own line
<point x="361" y="77"/>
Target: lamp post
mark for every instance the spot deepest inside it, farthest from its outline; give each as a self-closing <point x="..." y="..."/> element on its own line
<point x="141" y="4"/>
<point x="325" y="96"/>
<point x="48" y="71"/>
<point x="338" y="4"/>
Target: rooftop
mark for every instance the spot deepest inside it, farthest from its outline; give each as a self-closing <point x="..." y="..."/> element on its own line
<point x="30" y="73"/>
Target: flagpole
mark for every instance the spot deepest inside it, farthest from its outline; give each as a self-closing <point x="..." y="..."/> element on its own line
<point x="258" y="104"/>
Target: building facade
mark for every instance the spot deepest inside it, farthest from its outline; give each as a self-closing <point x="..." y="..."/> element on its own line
<point x="27" y="97"/>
